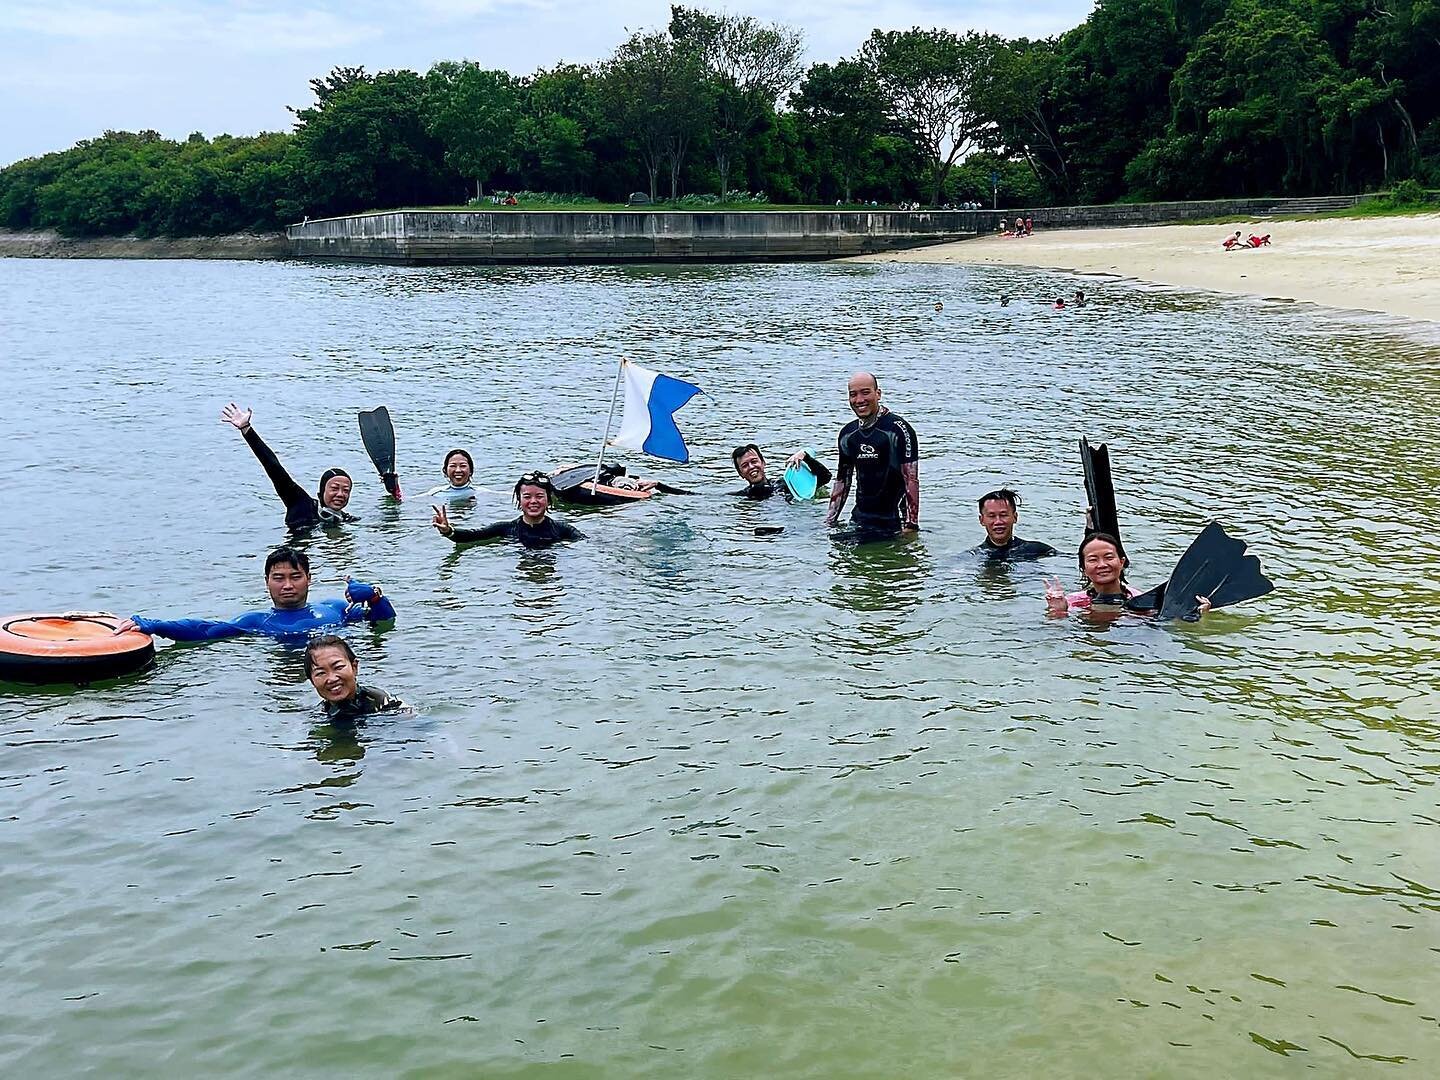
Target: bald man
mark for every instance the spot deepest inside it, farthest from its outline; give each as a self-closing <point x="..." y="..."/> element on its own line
<point x="879" y="452"/>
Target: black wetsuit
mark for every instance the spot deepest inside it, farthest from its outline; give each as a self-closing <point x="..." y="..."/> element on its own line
<point x="366" y="702"/>
<point x="1016" y="550"/>
<point x="548" y="532"/>
<point x="767" y="487"/>
<point x="873" y="456"/>
<point x="302" y="510"/>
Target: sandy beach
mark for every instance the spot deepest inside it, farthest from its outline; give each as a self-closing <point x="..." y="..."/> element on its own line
<point x="1387" y="264"/>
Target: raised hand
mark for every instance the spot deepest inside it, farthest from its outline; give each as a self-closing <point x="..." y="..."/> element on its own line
<point x="797" y="458"/>
<point x="441" y="521"/>
<point x="236" y="417"/>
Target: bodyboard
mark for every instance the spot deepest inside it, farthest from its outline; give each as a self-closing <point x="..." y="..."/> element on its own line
<point x="801" y="481"/>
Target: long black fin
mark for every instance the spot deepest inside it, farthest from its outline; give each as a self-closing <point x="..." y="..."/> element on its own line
<point x="378" y="435"/>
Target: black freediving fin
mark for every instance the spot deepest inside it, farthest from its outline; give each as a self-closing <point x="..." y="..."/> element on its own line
<point x="1099" y="491"/>
<point x="378" y="435"/>
<point x="1214" y="565"/>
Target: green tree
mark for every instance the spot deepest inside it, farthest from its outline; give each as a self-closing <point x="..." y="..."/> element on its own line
<point x="365" y="144"/>
<point x="475" y="114"/>
<point x="841" y="104"/>
<point x="750" y="65"/>
<point x="655" y="87"/>
<point x="929" y="82"/>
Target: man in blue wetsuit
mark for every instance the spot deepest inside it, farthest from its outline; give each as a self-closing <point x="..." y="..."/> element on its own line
<point x="880" y="454"/>
<point x="293" y="618"/>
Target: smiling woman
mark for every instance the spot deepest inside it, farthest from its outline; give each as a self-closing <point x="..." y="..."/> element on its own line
<point x="334" y="671"/>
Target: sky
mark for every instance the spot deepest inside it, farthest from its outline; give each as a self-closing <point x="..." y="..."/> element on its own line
<point x="72" y="69"/>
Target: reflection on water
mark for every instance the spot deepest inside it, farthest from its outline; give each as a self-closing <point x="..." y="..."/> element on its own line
<point x="685" y="800"/>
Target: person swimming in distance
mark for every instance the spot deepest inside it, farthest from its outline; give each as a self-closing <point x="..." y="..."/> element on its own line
<point x="1079" y="298"/>
<point x="749" y="462"/>
<point x="999" y="511"/>
<point x="334" y="672"/>
<point x="287" y="579"/>
<point x="1102" y="565"/>
<point x="534" y="528"/>
<point x="459" y="469"/>
<point x="1004" y="301"/>
<point x="1059" y="303"/>
<point x="302" y="510"/>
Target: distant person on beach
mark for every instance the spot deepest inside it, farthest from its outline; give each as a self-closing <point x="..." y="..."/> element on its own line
<point x="749" y="462"/>
<point x="534" y="528"/>
<point x="1258" y="241"/>
<point x="1231" y="243"/>
<point x="1019" y="226"/>
<point x="999" y="511"/>
<point x="334" y="672"/>
<point x="293" y="617"/>
<point x="880" y="455"/>
<point x="1029" y="226"/>
<point x="302" y="510"/>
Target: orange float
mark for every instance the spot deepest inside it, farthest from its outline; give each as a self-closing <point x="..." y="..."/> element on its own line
<point x="74" y="647"/>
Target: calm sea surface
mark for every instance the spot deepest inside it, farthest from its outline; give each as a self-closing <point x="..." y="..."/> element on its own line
<point x="684" y="802"/>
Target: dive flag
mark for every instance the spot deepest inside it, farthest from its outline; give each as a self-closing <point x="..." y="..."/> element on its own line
<point x="651" y="402"/>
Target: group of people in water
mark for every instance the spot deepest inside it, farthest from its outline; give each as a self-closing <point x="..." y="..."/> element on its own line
<point x="877" y="462"/>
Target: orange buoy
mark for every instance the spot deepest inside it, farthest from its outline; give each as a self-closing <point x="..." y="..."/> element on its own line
<point x="76" y="647"/>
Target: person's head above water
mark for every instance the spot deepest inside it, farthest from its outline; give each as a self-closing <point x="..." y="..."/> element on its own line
<point x="864" y="392"/>
<point x="332" y="668"/>
<point x="999" y="510"/>
<point x="1103" y="564"/>
<point x="287" y="577"/>
<point x="334" y="490"/>
<point x="749" y="462"/>
<point x="459" y="467"/>
<point x="533" y="493"/>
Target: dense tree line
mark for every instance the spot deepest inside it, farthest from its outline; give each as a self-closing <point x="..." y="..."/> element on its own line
<point x="1145" y="99"/>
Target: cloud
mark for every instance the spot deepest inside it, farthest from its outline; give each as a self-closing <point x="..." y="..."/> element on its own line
<point x="73" y="68"/>
<point x="251" y="26"/>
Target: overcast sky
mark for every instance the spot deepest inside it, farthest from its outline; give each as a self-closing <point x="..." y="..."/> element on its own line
<point x="70" y="69"/>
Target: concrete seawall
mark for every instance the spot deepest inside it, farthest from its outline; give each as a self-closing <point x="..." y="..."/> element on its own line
<point x="537" y="236"/>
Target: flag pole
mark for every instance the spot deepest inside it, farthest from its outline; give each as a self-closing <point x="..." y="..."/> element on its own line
<point x="619" y="373"/>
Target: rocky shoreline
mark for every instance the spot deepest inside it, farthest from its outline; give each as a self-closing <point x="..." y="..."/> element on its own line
<point x="48" y="244"/>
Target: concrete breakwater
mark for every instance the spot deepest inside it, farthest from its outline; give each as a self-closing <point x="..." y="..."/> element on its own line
<point x="538" y="236"/>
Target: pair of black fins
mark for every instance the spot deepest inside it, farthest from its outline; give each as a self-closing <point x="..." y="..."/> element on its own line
<point x="378" y="435"/>
<point x="1214" y="565"/>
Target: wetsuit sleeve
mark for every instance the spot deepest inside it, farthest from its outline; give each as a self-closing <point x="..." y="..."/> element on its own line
<point x="193" y="629"/>
<point x="822" y="474"/>
<point x="909" y="448"/>
<point x="489" y="532"/>
<point x="298" y="502"/>
<point x="566" y="531"/>
<point x="370" y="609"/>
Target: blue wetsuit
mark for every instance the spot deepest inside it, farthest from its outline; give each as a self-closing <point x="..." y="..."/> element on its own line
<point x="284" y="624"/>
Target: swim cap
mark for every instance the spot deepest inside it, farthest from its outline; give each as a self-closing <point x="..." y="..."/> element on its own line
<point x="325" y="478"/>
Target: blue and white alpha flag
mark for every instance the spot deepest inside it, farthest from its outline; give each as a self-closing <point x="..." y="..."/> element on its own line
<point x="651" y="402"/>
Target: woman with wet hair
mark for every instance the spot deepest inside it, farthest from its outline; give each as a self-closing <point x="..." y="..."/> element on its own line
<point x="534" y="528"/>
<point x="334" y="672"/>
<point x="1102" y="566"/>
